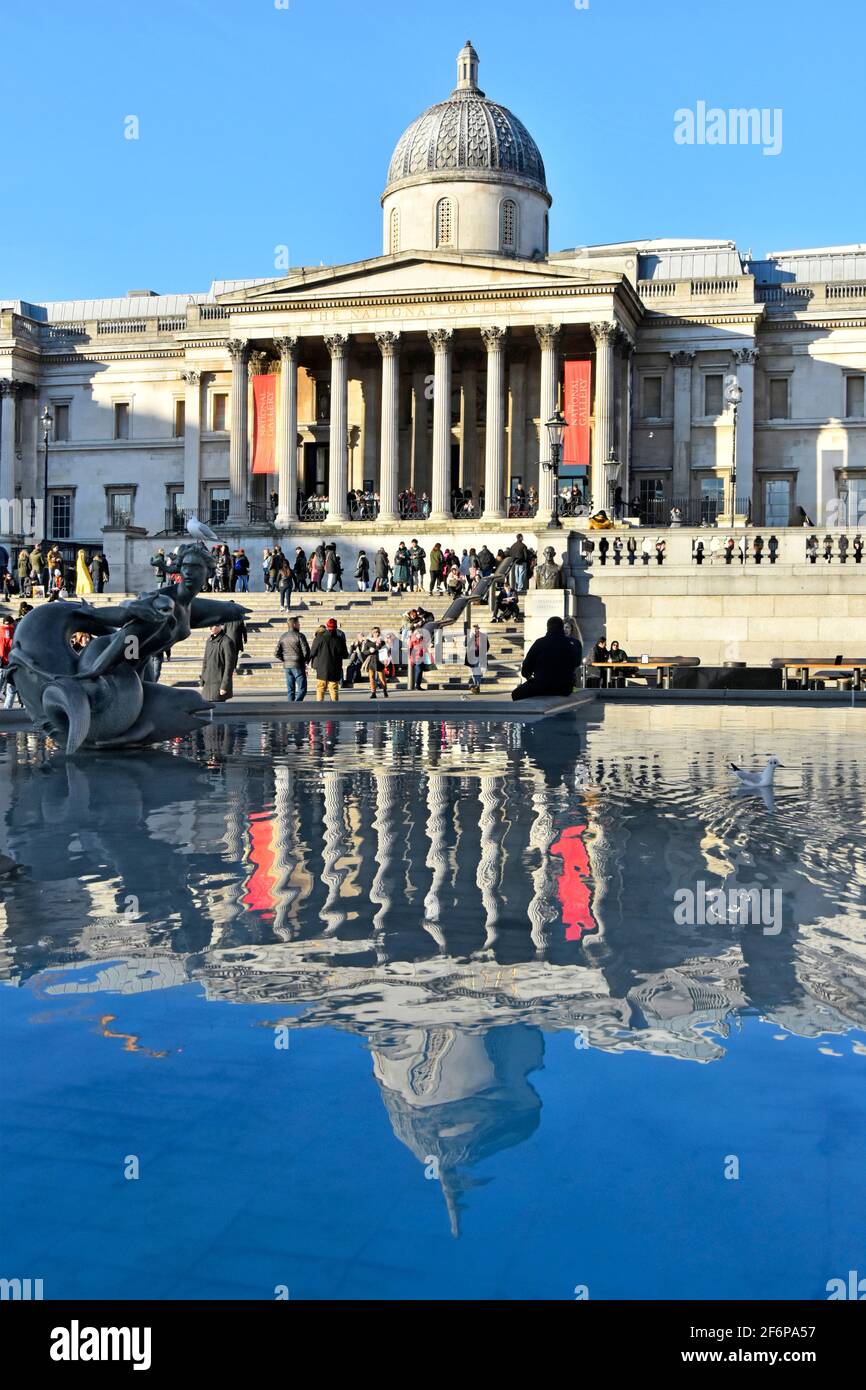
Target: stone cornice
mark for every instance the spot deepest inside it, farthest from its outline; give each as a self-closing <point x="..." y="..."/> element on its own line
<point x="64" y="359"/>
<point x="752" y="315"/>
<point x="421" y="297"/>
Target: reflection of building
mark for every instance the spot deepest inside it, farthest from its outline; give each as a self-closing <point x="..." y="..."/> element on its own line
<point x="405" y="883"/>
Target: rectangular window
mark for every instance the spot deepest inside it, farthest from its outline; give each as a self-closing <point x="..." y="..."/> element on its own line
<point x="780" y="408"/>
<point x="652" y="397"/>
<point x="777" y="502"/>
<point x="857" y="502"/>
<point x="651" y="492"/>
<point x="713" y="394"/>
<point x="61" y="516"/>
<point x="61" y="423"/>
<point x="179" y="418"/>
<point x="120" y="509"/>
<point x="121" y="419"/>
<point x="219" y="506"/>
<point x="712" y="499"/>
<point x="855" y="405"/>
<point x="323" y="402"/>
<point x="219" y="412"/>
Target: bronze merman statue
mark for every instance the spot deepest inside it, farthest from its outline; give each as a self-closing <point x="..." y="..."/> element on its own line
<point x="99" y="696"/>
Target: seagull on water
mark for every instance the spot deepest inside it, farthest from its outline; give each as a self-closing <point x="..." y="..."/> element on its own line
<point x="200" y="532"/>
<point x="756" y="781"/>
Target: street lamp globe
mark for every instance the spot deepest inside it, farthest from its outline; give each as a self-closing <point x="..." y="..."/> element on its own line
<point x="47" y="420"/>
<point x="734" y="393"/>
<point x="556" y="427"/>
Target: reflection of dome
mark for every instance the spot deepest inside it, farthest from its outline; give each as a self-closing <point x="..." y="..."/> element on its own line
<point x="467" y="176"/>
<point x="458" y="1097"/>
<point x="467" y="132"/>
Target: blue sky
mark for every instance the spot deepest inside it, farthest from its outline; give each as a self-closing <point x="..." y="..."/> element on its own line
<point x="262" y="126"/>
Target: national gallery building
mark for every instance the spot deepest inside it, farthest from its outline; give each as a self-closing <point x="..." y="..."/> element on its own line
<point x="412" y="390"/>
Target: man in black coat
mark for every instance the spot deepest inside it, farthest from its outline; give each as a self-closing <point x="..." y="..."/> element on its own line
<point x="549" y="665"/>
<point x="327" y="655"/>
<point x="218" y="665"/>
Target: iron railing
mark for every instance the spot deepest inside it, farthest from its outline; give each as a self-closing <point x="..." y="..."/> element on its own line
<point x="690" y="511"/>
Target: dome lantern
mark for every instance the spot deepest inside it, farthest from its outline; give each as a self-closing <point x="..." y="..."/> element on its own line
<point x="467" y="70"/>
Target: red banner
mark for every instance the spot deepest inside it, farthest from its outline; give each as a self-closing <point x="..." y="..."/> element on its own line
<point x="578" y="408"/>
<point x="264" y="423"/>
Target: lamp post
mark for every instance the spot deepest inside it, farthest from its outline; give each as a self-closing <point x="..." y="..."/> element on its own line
<point x="47" y="420"/>
<point x="556" y="428"/>
<point x="733" y="397"/>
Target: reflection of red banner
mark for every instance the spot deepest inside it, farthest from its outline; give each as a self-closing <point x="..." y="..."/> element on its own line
<point x="578" y="408"/>
<point x="261" y="886"/>
<point x="572" y="886"/>
<point x="264" y="423"/>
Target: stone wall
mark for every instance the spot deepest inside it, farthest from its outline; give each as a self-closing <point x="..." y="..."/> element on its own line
<point x="721" y="613"/>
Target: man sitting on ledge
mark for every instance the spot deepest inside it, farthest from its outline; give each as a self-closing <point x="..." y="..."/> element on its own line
<point x="549" y="665"/>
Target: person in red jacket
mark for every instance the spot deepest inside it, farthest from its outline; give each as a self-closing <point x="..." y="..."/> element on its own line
<point x="7" y="633"/>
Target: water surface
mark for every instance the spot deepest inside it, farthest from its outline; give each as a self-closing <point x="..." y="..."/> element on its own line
<point x="406" y="1010"/>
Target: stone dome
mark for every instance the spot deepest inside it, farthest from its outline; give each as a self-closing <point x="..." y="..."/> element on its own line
<point x="467" y="136"/>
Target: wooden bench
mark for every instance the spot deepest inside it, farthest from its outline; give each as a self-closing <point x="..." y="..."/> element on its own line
<point x="664" y="667"/>
<point x="807" y="669"/>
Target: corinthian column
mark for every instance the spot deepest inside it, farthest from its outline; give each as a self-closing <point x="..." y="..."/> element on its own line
<point x="338" y="455"/>
<point x="494" y="450"/>
<point x="548" y="340"/>
<point x="605" y="337"/>
<point x="389" y="458"/>
<point x="238" y="352"/>
<point x="440" y="341"/>
<point x="192" y="441"/>
<point x="287" y="439"/>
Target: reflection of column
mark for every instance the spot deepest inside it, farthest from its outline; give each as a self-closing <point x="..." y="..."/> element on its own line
<point x="494" y="453"/>
<point x="605" y="336"/>
<point x="548" y="341"/>
<point x="287" y="440"/>
<point x="440" y="499"/>
<point x="491" y="796"/>
<point x="192" y="441"/>
<point x="542" y="909"/>
<point x="387" y="803"/>
<point x="332" y="850"/>
<point x="745" y="361"/>
<point x="238" y="438"/>
<point x="437" y="855"/>
<point x="682" y="422"/>
<point x="285" y="892"/>
<point x="338" y="460"/>
<point x="389" y="458"/>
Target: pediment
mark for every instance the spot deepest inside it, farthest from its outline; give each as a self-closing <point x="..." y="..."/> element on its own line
<point x="413" y="272"/>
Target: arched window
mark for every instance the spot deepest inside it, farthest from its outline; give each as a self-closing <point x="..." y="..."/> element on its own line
<point x="508" y="227"/>
<point x="394" y="234"/>
<point x="444" y="223"/>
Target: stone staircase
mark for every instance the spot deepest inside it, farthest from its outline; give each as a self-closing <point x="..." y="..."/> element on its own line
<point x="258" y="672"/>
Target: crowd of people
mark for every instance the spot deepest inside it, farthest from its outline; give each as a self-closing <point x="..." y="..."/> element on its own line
<point x="409" y="569"/>
<point x="43" y="571"/>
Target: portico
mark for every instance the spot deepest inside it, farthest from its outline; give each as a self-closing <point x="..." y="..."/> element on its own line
<point x="443" y="393"/>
